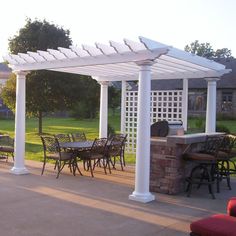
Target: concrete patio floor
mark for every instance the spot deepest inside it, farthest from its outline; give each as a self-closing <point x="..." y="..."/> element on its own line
<point x="43" y="205"/>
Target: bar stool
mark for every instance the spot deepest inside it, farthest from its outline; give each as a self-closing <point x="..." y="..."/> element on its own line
<point x="224" y="158"/>
<point x="205" y="165"/>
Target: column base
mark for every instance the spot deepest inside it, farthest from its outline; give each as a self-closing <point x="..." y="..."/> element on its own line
<point x="19" y="171"/>
<point x="144" y="198"/>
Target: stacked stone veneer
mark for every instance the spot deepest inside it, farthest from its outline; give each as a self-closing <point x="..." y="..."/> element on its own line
<point x="167" y="169"/>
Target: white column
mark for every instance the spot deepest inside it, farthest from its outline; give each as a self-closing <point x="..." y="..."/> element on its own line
<point x="103" y="109"/>
<point x="123" y="105"/>
<point x="185" y="104"/>
<point x="142" y="169"/>
<point x="211" y="105"/>
<point x="19" y="149"/>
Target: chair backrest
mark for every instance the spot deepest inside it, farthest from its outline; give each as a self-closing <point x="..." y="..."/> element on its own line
<point x="99" y="145"/>
<point x="6" y="140"/>
<point x="76" y="137"/>
<point x="63" y="138"/>
<point x="50" y="144"/>
<point x="117" y="144"/>
<point x="213" y="144"/>
<point x="228" y="143"/>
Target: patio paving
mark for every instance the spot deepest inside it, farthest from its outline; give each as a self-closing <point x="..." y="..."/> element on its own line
<point x="43" y="205"/>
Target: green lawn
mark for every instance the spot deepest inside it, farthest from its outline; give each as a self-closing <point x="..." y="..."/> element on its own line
<point x="34" y="149"/>
<point x="69" y="125"/>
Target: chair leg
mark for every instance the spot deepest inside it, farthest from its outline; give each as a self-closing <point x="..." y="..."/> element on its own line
<point x="77" y="167"/>
<point x="109" y="167"/>
<point x="228" y="174"/>
<point x="90" y="167"/>
<point x="121" y="162"/>
<point x="44" y="163"/>
<point x="104" y="165"/>
<point x="58" y="163"/>
<point x="60" y="167"/>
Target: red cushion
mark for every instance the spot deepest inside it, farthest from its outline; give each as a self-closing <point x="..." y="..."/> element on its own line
<point x="231" y="207"/>
<point x="216" y="225"/>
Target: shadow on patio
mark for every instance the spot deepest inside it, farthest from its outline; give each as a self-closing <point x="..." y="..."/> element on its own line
<point x="81" y="205"/>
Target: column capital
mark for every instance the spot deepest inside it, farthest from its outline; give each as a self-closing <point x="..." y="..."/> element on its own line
<point x="215" y="79"/>
<point x="21" y="74"/>
<point x="145" y="63"/>
<point x="103" y="83"/>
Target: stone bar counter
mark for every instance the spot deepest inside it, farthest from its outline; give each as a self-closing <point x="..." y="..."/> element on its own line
<point x="168" y="169"/>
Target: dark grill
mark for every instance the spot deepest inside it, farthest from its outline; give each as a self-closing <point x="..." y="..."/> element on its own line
<point x="164" y="128"/>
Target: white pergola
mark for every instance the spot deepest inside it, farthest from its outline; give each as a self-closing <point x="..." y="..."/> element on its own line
<point x="130" y="60"/>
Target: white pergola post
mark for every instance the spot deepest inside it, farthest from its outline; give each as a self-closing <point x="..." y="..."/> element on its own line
<point x="123" y="101"/>
<point x="185" y="104"/>
<point x="211" y="105"/>
<point x="103" y="109"/>
<point x="19" y="149"/>
<point x="142" y="170"/>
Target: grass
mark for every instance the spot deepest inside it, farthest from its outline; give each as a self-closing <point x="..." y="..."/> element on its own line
<point x="33" y="146"/>
<point x="34" y="149"/>
<point x="193" y="125"/>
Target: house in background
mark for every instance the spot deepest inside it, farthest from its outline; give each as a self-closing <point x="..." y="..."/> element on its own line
<point x="5" y="72"/>
<point x="197" y="95"/>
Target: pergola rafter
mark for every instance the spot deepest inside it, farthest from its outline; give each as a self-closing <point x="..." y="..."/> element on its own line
<point x="118" y="60"/>
<point x="142" y="60"/>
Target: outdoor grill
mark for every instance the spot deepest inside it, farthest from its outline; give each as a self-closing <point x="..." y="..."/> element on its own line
<point x="164" y="128"/>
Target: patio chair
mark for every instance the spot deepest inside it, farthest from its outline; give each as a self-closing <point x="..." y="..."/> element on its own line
<point x="63" y="138"/>
<point x="77" y="137"/>
<point x="205" y="169"/>
<point x="116" y="149"/>
<point x="97" y="153"/>
<point x="6" y="147"/>
<point x="52" y="151"/>
<point x="226" y="165"/>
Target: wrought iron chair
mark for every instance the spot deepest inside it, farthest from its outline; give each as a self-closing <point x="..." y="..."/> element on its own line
<point x="116" y="149"/>
<point x="52" y="151"/>
<point x="97" y="153"/>
<point x="76" y="137"/>
<point x="205" y="170"/>
<point x="63" y="138"/>
<point x="226" y="164"/>
<point x="6" y="147"/>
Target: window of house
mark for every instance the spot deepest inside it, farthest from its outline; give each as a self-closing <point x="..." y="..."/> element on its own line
<point x="197" y="101"/>
<point x="227" y="99"/>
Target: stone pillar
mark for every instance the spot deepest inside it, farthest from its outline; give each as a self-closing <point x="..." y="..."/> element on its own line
<point x="103" y="109"/>
<point x="123" y="105"/>
<point x="19" y="149"/>
<point x="185" y="104"/>
<point x="142" y="168"/>
<point x="211" y="105"/>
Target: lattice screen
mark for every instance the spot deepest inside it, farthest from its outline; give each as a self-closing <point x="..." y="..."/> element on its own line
<point x="165" y="105"/>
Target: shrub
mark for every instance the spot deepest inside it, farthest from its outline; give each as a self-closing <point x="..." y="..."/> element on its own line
<point x="110" y="130"/>
<point x="222" y="128"/>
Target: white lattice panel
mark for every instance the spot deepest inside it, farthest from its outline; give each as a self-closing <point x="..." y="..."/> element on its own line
<point x="165" y="105"/>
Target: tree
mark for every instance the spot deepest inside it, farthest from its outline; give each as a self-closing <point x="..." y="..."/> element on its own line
<point x="206" y="50"/>
<point x="47" y="91"/>
<point x="114" y="98"/>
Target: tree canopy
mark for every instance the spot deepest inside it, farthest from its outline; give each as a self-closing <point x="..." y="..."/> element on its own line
<point x="206" y="50"/>
<point x="47" y="91"/>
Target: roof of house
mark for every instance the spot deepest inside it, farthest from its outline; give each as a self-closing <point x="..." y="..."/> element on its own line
<point x="227" y="81"/>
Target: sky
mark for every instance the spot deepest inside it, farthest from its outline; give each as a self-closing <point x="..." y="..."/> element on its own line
<point x="172" y="22"/>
